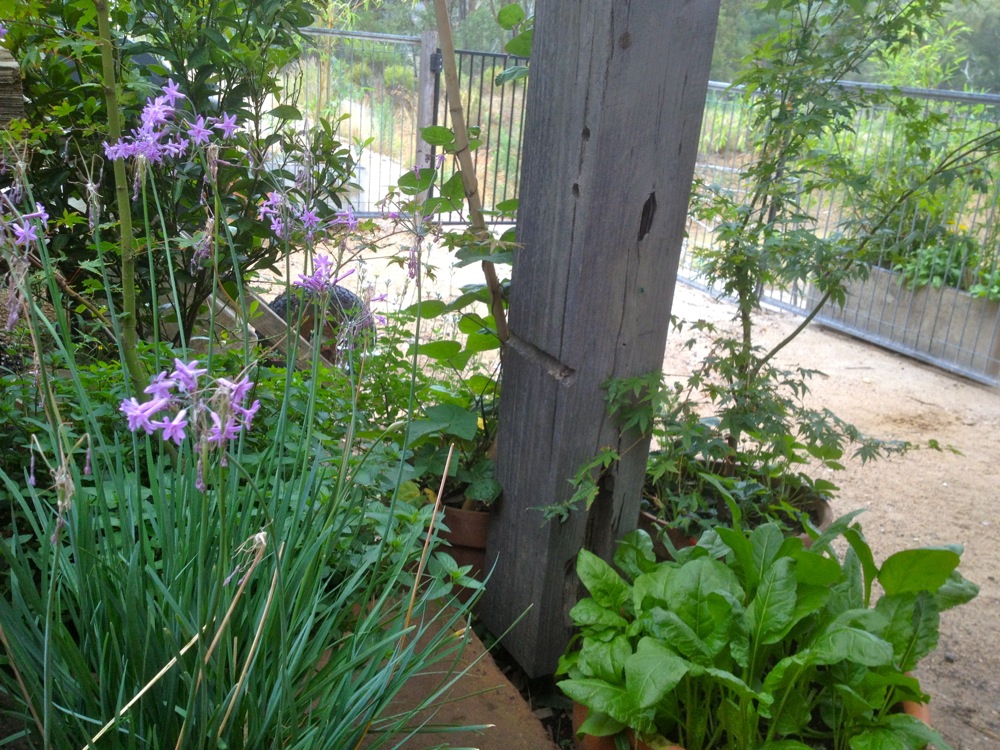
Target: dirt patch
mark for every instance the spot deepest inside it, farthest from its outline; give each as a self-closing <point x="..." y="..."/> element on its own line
<point x="925" y="497"/>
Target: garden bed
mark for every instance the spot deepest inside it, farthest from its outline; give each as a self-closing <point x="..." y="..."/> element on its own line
<point x="942" y="324"/>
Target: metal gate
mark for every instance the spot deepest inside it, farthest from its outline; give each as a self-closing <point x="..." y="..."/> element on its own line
<point x="389" y="87"/>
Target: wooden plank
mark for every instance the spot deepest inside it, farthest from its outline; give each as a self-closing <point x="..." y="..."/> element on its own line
<point x="270" y="326"/>
<point x="614" y="112"/>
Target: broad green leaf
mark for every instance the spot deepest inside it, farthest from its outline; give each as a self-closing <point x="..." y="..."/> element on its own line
<point x="652" y="672"/>
<point x="925" y="569"/>
<point x="898" y="731"/>
<point x="481" y="384"/>
<point x="482" y="483"/>
<point x="587" y="613"/>
<point x="520" y="46"/>
<point x="470" y="324"/>
<point x="766" y="541"/>
<point x="688" y="589"/>
<point x="604" y="660"/>
<point x="415" y="182"/>
<point x="738" y="542"/>
<point x="437" y="135"/>
<point x="438" y="205"/>
<point x="513" y="73"/>
<point x="773" y="607"/>
<point x="863" y="555"/>
<point x="286" y="112"/>
<point x="606" y="587"/>
<point x="598" y="695"/>
<point x="598" y="724"/>
<point x="735" y="685"/>
<point x="453" y="189"/>
<point x="912" y="623"/>
<point x="730" y="627"/>
<point x="669" y="628"/>
<point x="786" y="676"/>
<point x="845" y="643"/>
<point x="469" y="295"/>
<point x="650" y="589"/>
<point x="447" y="419"/>
<point x="430" y="308"/>
<point x="809" y="599"/>
<point x="481" y="342"/>
<point x="508" y="206"/>
<point x="510" y="16"/>
<point x="634" y="554"/>
<point x="439" y="349"/>
<point x="956" y="590"/>
<point x="816" y="569"/>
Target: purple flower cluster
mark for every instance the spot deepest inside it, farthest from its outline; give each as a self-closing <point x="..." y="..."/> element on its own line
<point x="162" y="131"/>
<point x="24" y="227"/>
<point x="278" y="209"/>
<point x="214" y="413"/>
<point x="322" y="280"/>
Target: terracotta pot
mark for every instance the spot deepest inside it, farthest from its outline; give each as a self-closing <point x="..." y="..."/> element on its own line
<point x="587" y="742"/>
<point x="467" y="530"/>
<point x="821" y="515"/>
<point x="655" y="527"/>
<point x="918" y="711"/>
<point x="466" y="535"/>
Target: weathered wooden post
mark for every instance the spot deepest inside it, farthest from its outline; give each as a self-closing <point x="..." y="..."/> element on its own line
<point x="615" y="101"/>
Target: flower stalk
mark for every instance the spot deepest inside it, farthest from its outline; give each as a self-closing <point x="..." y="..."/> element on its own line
<point x="129" y="337"/>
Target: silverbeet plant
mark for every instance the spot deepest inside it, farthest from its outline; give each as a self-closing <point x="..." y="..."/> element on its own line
<point x="750" y="641"/>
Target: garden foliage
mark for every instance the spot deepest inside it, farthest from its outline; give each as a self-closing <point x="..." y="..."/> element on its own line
<point x="201" y="548"/>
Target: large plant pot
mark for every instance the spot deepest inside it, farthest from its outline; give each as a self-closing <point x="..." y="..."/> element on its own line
<point x="821" y="516"/>
<point x="656" y="527"/>
<point x="819" y="510"/>
<point x="587" y="742"/>
<point x="941" y="324"/>
<point x="466" y="535"/>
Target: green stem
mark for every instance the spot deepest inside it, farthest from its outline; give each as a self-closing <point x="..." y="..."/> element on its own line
<point x="129" y="337"/>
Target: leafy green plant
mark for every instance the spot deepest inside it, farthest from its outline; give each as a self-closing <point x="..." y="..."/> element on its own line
<point x="749" y="640"/>
<point x="211" y="557"/>
<point x="227" y="63"/>
<point x="461" y="388"/>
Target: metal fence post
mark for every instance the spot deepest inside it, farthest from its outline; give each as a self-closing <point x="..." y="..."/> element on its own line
<point x="426" y="77"/>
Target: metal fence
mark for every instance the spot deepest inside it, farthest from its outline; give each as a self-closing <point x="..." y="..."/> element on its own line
<point x="388" y="87"/>
<point x="934" y="288"/>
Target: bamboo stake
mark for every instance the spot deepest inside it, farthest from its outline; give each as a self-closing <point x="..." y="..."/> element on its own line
<point x="464" y="156"/>
<point x="135" y="699"/>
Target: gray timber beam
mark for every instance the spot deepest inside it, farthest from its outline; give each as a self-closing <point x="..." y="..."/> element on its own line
<point x="615" y="101"/>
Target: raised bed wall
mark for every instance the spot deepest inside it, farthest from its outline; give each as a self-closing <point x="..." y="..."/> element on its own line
<point x="944" y="326"/>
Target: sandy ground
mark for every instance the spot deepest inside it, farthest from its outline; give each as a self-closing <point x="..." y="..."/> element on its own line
<point x="925" y="497"/>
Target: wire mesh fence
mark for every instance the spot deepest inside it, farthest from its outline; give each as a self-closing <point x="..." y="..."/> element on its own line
<point x="933" y="283"/>
<point x="933" y="290"/>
